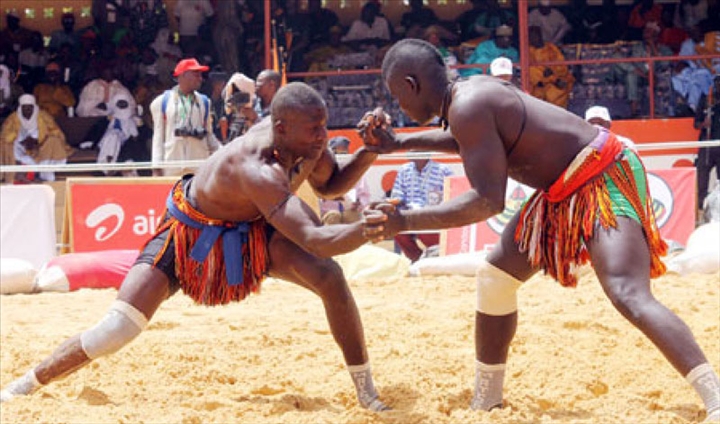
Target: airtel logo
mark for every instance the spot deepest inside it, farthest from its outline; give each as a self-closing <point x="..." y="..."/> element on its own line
<point x="100" y="215"/>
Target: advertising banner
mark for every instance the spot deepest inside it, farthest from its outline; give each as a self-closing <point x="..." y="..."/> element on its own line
<point x="674" y="202"/>
<point x="113" y="213"/>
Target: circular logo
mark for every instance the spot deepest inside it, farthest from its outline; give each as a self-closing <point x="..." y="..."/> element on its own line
<point x="662" y="199"/>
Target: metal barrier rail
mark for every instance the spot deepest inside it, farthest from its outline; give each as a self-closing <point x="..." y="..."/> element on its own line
<point x="130" y="166"/>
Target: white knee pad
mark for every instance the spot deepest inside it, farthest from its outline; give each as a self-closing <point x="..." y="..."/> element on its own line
<point x="496" y="290"/>
<point x="119" y="326"/>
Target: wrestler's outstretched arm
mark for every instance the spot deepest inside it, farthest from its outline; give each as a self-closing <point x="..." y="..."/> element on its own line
<point x="379" y="137"/>
<point x="331" y="179"/>
<point x="270" y="190"/>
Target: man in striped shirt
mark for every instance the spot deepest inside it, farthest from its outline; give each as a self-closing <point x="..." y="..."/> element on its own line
<point x="419" y="184"/>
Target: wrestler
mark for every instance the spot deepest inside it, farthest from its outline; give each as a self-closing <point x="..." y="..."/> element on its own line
<point x="591" y="203"/>
<point x="230" y="225"/>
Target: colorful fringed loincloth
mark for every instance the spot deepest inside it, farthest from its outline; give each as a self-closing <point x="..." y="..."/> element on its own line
<point x="555" y="224"/>
<point x="210" y="272"/>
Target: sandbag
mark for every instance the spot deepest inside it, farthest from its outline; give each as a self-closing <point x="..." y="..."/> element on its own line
<point x="16" y="276"/>
<point x="702" y="254"/>
<point x="372" y="262"/>
<point x="458" y="264"/>
<point x="95" y="270"/>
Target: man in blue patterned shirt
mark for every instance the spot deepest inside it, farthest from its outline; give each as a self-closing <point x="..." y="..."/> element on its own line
<point x="418" y="184"/>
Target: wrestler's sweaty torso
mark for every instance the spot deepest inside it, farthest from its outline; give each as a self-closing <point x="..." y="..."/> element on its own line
<point x="218" y="189"/>
<point x="542" y="138"/>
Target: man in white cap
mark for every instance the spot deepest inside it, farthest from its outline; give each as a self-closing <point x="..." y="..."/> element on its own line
<point x="502" y="68"/>
<point x="600" y="116"/>
<point x="30" y="136"/>
<point x="182" y="124"/>
<point x="485" y="52"/>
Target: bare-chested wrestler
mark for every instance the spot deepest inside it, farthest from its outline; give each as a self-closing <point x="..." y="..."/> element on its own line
<point x="232" y="224"/>
<point x="591" y="203"/>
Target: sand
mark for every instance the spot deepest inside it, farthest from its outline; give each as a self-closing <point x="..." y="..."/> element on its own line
<point x="271" y="359"/>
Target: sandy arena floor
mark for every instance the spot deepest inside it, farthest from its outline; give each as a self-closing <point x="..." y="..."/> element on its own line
<point x="271" y="359"/>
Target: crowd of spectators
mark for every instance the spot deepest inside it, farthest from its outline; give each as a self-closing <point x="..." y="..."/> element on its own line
<point x="129" y="52"/>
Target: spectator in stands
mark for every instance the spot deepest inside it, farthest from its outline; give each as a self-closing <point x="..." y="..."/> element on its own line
<point x="96" y="94"/>
<point x="238" y="102"/>
<point x="315" y="26"/>
<point x="707" y="120"/>
<point x="54" y="96"/>
<point x="347" y="208"/>
<point x="317" y="58"/>
<point x="417" y="19"/>
<point x="551" y="21"/>
<point x="488" y="50"/>
<point x="691" y="79"/>
<point x="10" y="92"/>
<point x="106" y="17"/>
<point x="690" y="83"/>
<point x="14" y="38"/>
<point x="645" y="12"/>
<point x="122" y="128"/>
<point x="711" y="45"/>
<point x="491" y="17"/>
<point x="71" y="67"/>
<point x="435" y="35"/>
<point x="689" y="13"/>
<point x="267" y="83"/>
<point x="600" y="115"/>
<point x="191" y="15"/>
<point x="66" y="35"/>
<point x="182" y="125"/>
<point x="228" y="35"/>
<point x="148" y="88"/>
<point x="502" y="68"/>
<point x="466" y="20"/>
<point x="168" y="54"/>
<point x="32" y="62"/>
<point x="30" y="136"/>
<point x="370" y="28"/>
<point x="418" y="184"/>
<point x="671" y="35"/>
<point x="146" y="19"/>
<point x="550" y="83"/>
<point x="635" y="72"/>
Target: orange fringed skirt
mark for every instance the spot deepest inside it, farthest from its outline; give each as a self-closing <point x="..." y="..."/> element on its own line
<point x="206" y="282"/>
<point x="555" y="224"/>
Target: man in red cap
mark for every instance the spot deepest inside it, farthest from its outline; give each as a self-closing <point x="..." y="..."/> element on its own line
<point x="182" y="124"/>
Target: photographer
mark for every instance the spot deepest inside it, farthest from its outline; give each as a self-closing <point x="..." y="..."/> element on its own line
<point x="239" y="95"/>
<point x="182" y="124"/>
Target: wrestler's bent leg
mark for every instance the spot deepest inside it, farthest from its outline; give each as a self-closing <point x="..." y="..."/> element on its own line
<point x="325" y="278"/>
<point x="143" y="290"/>
<point x="496" y="316"/>
<point x="621" y="259"/>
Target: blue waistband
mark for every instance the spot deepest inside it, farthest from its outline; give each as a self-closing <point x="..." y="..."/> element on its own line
<point x="234" y="237"/>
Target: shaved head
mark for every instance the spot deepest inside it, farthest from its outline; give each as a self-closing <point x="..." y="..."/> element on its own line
<point x="415" y="57"/>
<point x="293" y="98"/>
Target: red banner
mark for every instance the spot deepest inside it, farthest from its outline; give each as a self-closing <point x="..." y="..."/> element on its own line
<point x="108" y="213"/>
<point x="674" y="199"/>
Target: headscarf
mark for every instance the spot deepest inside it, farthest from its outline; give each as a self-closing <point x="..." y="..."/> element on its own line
<point x="28" y="126"/>
<point x="4" y="82"/>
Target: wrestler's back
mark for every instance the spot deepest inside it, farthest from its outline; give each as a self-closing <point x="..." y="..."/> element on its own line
<point x="550" y="139"/>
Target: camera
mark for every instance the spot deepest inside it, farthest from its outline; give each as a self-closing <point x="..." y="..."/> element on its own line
<point x="198" y="133"/>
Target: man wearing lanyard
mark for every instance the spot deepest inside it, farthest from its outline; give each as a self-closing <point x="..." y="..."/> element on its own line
<point x="181" y="121"/>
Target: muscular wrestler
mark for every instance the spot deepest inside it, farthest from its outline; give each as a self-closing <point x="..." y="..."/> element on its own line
<point x="232" y="224"/>
<point x="591" y="203"/>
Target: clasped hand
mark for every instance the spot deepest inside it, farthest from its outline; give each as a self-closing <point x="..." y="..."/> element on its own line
<point x="381" y="220"/>
<point x="376" y="132"/>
